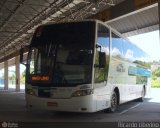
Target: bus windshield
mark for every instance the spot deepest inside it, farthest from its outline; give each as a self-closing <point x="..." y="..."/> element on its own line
<point x="64" y="62"/>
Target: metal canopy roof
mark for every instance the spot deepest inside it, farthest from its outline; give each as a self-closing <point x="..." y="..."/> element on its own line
<point x="19" y="18"/>
<point x="138" y="22"/>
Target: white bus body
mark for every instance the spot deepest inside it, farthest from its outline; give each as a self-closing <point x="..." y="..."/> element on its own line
<point x="86" y="87"/>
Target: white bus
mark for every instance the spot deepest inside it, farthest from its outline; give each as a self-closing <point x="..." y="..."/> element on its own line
<point x="83" y="66"/>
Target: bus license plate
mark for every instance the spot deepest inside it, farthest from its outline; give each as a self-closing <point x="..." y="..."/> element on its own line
<point x="52" y="104"/>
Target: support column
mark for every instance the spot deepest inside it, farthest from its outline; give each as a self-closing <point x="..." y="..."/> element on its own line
<point x="17" y="74"/>
<point x="2" y="75"/>
<point x="6" y="75"/>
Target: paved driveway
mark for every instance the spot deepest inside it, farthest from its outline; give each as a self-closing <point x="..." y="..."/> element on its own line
<point x="12" y="108"/>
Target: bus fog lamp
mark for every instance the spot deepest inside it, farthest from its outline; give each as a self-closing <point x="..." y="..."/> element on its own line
<point x="30" y="92"/>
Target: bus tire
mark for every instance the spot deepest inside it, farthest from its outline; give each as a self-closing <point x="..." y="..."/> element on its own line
<point x="114" y="102"/>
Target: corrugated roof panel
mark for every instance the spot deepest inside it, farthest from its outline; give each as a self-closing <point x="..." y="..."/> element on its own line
<point x="137" y="21"/>
<point x="21" y="17"/>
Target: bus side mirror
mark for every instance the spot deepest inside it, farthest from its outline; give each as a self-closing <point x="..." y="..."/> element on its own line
<point x="21" y="52"/>
<point x="102" y="59"/>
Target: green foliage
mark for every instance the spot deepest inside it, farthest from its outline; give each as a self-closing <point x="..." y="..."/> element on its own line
<point x="154" y="77"/>
<point x="145" y="64"/>
<point x="156" y="72"/>
<point x="22" y="77"/>
<point x="141" y="80"/>
<point x="155" y="83"/>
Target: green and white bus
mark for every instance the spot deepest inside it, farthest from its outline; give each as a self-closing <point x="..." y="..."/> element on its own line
<point x="83" y="66"/>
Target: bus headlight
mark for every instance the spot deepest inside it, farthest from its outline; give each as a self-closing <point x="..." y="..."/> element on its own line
<point x="82" y="93"/>
<point x="30" y="92"/>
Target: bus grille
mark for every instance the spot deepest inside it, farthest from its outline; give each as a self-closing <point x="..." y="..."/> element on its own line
<point x="44" y="93"/>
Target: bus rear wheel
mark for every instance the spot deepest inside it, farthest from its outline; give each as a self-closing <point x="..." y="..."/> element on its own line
<point x="143" y="93"/>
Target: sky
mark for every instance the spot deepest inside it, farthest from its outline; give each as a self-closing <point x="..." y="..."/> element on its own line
<point x="149" y="42"/>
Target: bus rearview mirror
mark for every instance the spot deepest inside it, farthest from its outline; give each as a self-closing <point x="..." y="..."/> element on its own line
<point x="102" y="59"/>
<point x="21" y="52"/>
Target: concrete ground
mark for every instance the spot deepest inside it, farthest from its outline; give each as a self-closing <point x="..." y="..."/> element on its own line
<point x="12" y="109"/>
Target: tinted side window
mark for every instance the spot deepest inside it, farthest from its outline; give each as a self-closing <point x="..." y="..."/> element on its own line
<point x="129" y="51"/>
<point x="124" y="49"/>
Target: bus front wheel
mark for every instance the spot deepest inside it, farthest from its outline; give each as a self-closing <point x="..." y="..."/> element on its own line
<point x="114" y="103"/>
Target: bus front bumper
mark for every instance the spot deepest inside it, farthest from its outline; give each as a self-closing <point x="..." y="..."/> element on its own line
<point x="74" y="104"/>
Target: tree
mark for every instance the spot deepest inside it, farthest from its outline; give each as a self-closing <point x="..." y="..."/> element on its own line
<point x="156" y="72"/>
<point x="22" y="77"/>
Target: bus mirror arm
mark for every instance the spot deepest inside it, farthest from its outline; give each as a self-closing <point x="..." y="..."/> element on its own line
<point x="21" y="52"/>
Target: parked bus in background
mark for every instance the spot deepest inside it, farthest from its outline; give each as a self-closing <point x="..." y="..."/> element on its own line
<point x="83" y="66"/>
